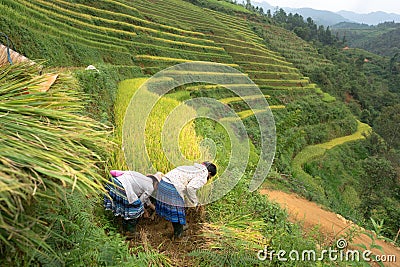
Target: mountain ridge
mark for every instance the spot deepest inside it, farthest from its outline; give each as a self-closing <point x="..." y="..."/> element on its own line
<point x="329" y="18"/>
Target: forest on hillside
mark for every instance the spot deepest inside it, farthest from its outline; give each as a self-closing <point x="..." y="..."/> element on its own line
<point x="382" y="39"/>
<point x="334" y="99"/>
<point x="366" y="78"/>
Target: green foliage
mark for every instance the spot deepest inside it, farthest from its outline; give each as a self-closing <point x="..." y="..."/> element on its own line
<point x="380" y="179"/>
<point x="81" y="235"/>
<point x="101" y="85"/>
<point x="313" y="185"/>
<point x="221" y="6"/>
<point x="381" y="39"/>
<point x="367" y="85"/>
<point x="307" y="30"/>
<point x="322" y="121"/>
<point x="388" y="125"/>
<point x="359" y="185"/>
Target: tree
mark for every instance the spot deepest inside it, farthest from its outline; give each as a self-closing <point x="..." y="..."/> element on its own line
<point x="388" y="125"/>
<point x="248" y="4"/>
<point x="269" y="13"/>
<point x="379" y="182"/>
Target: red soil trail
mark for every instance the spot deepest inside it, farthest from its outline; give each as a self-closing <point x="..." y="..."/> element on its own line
<point x="330" y="225"/>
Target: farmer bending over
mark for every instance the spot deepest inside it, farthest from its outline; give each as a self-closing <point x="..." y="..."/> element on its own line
<point x="178" y="185"/>
<point x="127" y="194"/>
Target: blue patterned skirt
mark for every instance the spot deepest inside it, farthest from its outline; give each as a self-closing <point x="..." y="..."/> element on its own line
<point x="117" y="202"/>
<point x="170" y="204"/>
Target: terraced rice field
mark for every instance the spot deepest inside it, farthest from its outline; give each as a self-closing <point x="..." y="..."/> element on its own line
<point x="141" y="33"/>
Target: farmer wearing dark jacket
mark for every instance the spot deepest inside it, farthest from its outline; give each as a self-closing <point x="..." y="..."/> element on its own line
<point x="180" y="185"/>
<point x="128" y="192"/>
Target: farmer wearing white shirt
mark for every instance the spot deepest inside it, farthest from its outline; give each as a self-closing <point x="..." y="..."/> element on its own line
<point x="128" y="192"/>
<point x="180" y="185"/>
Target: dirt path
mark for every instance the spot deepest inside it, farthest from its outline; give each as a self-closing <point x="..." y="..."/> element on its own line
<point x="329" y="224"/>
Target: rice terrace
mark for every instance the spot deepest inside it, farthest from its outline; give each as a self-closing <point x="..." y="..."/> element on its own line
<point x="196" y="133"/>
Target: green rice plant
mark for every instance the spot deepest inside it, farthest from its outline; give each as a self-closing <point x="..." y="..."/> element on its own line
<point x="230" y="6"/>
<point x="68" y="17"/>
<point x="129" y="18"/>
<point x="122" y="5"/>
<point x="168" y="20"/>
<point x="273" y="75"/>
<point x="363" y="129"/>
<point x="188" y="9"/>
<point x="286" y="88"/>
<point x="258" y="58"/>
<point x="239" y="24"/>
<point x="176" y="52"/>
<point x="52" y="31"/>
<point x="48" y="149"/>
<point x="248" y="49"/>
<point x="204" y="73"/>
<point x="202" y="46"/>
<point x="293" y="48"/>
<point x="247" y="113"/>
<point x="168" y="59"/>
<point x="67" y="29"/>
<point x="235" y="99"/>
<point x="176" y="13"/>
<point x="274" y="82"/>
<point x="37" y="42"/>
<point x="267" y="66"/>
<point x="175" y="60"/>
<point x="173" y="17"/>
<point x="243" y="42"/>
<point x="328" y="98"/>
<point x="116" y="28"/>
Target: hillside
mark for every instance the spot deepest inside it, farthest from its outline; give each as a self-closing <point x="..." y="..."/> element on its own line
<point x="381" y="39"/>
<point x="238" y="125"/>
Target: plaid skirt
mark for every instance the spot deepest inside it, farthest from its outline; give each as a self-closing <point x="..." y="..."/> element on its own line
<point x="170" y="204"/>
<point x="117" y="202"/>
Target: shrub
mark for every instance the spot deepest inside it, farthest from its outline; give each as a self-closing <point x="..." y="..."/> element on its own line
<point x="102" y="86"/>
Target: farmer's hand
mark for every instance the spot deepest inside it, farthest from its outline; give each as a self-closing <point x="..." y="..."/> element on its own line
<point x="151" y="206"/>
<point x="199" y="208"/>
<point x="146" y="214"/>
